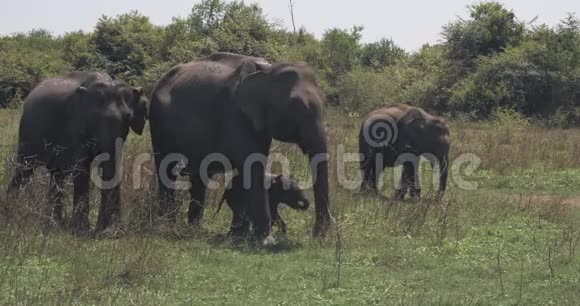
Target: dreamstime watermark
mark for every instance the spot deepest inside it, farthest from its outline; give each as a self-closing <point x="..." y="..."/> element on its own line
<point x="110" y="168"/>
<point x="380" y="147"/>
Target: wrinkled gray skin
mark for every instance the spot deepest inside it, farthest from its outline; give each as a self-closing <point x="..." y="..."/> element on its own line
<point x="66" y="122"/>
<point x="282" y="190"/>
<point x="414" y="131"/>
<point x="235" y="105"/>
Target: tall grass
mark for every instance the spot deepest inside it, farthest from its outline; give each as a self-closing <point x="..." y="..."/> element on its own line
<point x="500" y="244"/>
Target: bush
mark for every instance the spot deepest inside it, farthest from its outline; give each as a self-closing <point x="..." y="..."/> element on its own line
<point x="564" y="117"/>
<point x="505" y="117"/>
<point x="363" y="90"/>
<point x="508" y="80"/>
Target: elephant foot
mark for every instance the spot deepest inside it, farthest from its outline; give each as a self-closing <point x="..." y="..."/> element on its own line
<point x="399" y="195"/>
<point x="112" y="231"/>
<point x="281" y="225"/>
<point x="368" y="189"/>
<point x="268" y="242"/>
<point x="195" y="223"/>
<point x="108" y="224"/>
<point x="81" y="227"/>
<point x="54" y="222"/>
<point x="439" y="196"/>
<point x="416" y="195"/>
<point x="242" y="231"/>
<point x="321" y="229"/>
<point x="57" y="221"/>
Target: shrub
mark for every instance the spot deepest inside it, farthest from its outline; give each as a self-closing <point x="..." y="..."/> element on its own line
<point x="506" y="117"/>
<point x="512" y="80"/>
<point x="564" y="117"/>
<point x="362" y="90"/>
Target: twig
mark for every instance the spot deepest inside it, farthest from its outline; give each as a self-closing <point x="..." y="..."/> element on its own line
<point x="550" y="261"/>
<point x="499" y="272"/>
<point x="291" y="8"/>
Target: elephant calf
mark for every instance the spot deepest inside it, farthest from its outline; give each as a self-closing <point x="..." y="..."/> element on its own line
<point x="282" y="189"/>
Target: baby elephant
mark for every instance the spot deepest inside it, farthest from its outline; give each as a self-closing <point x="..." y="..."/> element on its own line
<point x="282" y="190"/>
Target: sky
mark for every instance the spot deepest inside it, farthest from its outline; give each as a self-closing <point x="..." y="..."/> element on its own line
<point x="410" y="23"/>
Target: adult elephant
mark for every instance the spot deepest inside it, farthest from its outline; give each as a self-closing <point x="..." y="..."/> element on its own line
<point x="400" y="134"/>
<point x="234" y="105"/>
<point x="66" y="123"/>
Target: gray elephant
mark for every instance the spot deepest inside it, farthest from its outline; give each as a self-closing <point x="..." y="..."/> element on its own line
<point x="400" y="134"/>
<point x="281" y="189"/>
<point x="234" y="106"/>
<point x="68" y="121"/>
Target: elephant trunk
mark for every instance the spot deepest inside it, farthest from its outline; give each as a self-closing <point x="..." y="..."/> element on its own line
<point x="443" y="174"/>
<point x="316" y="148"/>
<point x="110" y="162"/>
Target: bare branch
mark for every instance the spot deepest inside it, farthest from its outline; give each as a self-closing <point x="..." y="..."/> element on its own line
<point x="291" y="8"/>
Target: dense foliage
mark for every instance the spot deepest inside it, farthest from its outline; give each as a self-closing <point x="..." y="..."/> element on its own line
<point x="485" y="62"/>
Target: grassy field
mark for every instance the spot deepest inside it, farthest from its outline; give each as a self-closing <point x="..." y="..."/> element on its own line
<point x="513" y="240"/>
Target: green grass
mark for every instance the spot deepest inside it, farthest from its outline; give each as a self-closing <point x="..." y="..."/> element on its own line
<point x="495" y="245"/>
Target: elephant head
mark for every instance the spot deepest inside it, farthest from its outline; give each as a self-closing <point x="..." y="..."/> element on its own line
<point x="286" y="190"/>
<point x="285" y="102"/>
<point x="137" y="107"/>
<point x="107" y="110"/>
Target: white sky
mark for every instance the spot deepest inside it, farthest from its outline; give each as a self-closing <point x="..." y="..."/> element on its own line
<point x="410" y="23"/>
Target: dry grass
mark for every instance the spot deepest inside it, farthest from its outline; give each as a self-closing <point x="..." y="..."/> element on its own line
<point x="500" y="244"/>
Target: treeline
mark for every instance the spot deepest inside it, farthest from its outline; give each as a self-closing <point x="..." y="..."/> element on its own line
<point x="487" y="61"/>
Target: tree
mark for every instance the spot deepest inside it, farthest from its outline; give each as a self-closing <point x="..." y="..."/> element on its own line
<point x="80" y="51"/>
<point x="244" y="29"/>
<point x="128" y="42"/>
<point x="206" y="16"/>
<point x="490" y="29"/>
<point x="341" y="49"/>
<point x="516" y="79"/>
<point x="27" y="59"/>
<point x="381" y="54"/>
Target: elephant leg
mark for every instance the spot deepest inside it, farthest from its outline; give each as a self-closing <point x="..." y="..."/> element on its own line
<point x="166" y="180"/>
<point x="54" y="210"/>
<point x="372" y="172"/>
<point x="409" y="181"/>
<point x="404" y="184"/>
<point x="258" y="209"/>
<point x="443" y="173"/>
<point x="240" y="222"/>
<point x="376" y="179"/>
<point x="81" y="181"/>
<point x="197" y="200"/>
<point x="277" y="220"/>
<point x="368" y="176"/>
<point x="414" y="181"/>
<point x="369" y="179"/>
<point x="109" y="213"/>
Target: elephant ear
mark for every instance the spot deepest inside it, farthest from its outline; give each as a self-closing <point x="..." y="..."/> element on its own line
<point x="76" y="110"/>
<point x="140" y="112"/>
<point x="245" y="90"/>
<point x="261" y="92"/>
<point x="77" y="98"/>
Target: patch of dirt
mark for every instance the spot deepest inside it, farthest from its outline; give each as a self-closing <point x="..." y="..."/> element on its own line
<point x="551" y="198"/>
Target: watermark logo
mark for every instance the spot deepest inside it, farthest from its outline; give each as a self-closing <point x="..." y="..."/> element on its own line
<point x="107" y="168"/>
<point x="381" y="131"/>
